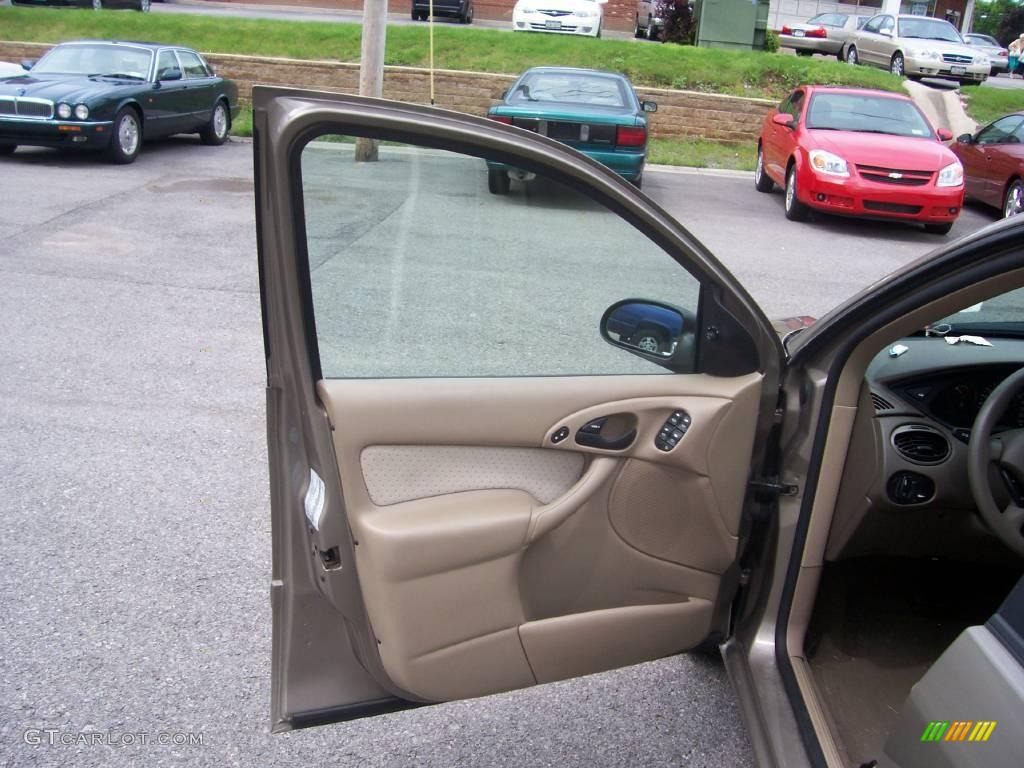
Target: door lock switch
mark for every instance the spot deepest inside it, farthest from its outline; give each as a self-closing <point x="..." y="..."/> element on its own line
<point x="672" y="431"/>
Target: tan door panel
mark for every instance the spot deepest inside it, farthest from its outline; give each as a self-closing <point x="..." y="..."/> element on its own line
<point x="477" y="537"/>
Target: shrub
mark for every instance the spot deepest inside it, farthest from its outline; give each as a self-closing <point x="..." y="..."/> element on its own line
<point x="680" y="25"/>
<point x="771" y="40"/>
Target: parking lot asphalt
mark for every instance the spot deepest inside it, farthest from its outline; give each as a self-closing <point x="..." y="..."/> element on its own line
<point x="135" y="508"/>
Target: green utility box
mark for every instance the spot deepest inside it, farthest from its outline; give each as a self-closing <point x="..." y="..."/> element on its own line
<point x="736" y="24"/>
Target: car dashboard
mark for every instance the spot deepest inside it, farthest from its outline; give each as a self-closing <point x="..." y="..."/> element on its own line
<point x="905" y="488"/>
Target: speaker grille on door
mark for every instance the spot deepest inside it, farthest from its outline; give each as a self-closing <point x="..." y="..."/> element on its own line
<point x="920" y="444"/>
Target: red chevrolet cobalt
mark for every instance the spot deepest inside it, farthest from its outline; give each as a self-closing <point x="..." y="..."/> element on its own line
<point x="857" y="152"/>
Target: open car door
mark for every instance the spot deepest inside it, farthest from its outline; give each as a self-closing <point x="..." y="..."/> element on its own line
<point x="510" y="436"/>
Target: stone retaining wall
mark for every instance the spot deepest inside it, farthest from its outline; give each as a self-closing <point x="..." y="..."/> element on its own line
<point x="681" y="114"/>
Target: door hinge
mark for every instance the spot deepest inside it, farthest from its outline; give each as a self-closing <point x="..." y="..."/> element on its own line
<point x="770" y="489"/>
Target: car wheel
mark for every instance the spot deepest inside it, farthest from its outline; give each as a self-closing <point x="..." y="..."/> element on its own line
<point x="469" y="15"/>
<point x="649" y="341"/>
<point x="127" y="137"/>
<point x="638" y="182"/>
<point x="841" y="54"/>
<point x="598" y="35"/>
<point x="896" y="65"/>
<point x="7" y="149"/>
<point x="795" y="210"/>
<point x="1012" y="203"/>
<point x="97" y="5"/>
<point x="216" y="131"/>
<point x="415" y="15"/>
<point x="762" y="181"/>
<point x="638" y="32"/>
<point x="144" y="6"/>
<point x="938" y="229"/>
<point x="652" y="31"/>
<point x="498" y="182"/>
<point x="852" y="57"/>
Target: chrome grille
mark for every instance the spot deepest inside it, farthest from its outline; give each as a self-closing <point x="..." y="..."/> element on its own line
<point x="24" y="106"/>
<point x="553" y="12"/>
<point x="894" y="176"/>
<point x="563" y="28"/>
<point x="957" y="58"/>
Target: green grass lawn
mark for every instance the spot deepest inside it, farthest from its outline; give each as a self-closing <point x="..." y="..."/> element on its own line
<point x="667" y="66"/>
<point x="986" y="104"/>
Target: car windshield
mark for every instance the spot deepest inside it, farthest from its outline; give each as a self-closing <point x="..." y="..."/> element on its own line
<point x="866" y="113"/>
<point x="981" y="40"/>
<point x="570" y="88"/>
<point x="999" y="316"/>
<point x="95" y="60"/>
<point x="929" y="29"/>
<point x="829" y="19"/>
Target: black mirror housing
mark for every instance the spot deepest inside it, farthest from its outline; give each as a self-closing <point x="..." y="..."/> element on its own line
<point x="965" y="138"/>
<point x="169" y="73"/>
<point x="27" y="64"/>
<point x="653" y="330"/>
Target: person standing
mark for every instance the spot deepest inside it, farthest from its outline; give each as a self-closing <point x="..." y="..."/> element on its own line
<point x="1016" y="48"/>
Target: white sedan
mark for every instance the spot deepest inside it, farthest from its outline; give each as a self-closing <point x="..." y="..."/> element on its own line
<point x="10" y="70"/>
<point x="566" y="17"/>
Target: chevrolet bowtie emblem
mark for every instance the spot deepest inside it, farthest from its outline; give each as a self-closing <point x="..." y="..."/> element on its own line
<point x="895" y="175"/>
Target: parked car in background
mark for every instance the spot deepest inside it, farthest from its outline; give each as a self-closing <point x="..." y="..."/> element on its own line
<point x="917" y="46"/>
<point x="10" y="70"/>
<point x="457" y="9"/>
<point x="825" y="33"/>
<point x="998" y="55"/>
<point x="859" y="152"/>
<point x="565" y="17"/>
<point x="98" y="5"/>
<point x="595" y="112"/>
<point x="648" y="23"/>
<point x="993" y="160"/>
<point x="109" y="96"/>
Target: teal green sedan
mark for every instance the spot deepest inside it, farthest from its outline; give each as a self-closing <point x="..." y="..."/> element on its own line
<point x="595" y="112"/>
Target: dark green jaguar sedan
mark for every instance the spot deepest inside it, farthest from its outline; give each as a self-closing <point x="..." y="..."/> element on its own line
<point x="109" y="96"/>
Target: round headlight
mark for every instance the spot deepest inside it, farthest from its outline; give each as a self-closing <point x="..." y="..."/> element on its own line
<point x="82" y="112"/>
<point x="63" y="111"/>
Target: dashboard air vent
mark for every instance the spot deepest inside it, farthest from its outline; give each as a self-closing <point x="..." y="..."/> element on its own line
<point x="881" y="404"/>
<point x="920" y="444"/>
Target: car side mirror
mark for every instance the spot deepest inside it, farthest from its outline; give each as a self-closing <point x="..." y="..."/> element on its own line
<point x="649" y="106"/>
<point x="965" y="138"/>
<point x="783" y="119"/>
<point x="169" y="73"/>
<point x="945" y="135"/>
<point x="655" y="331"/>
<point x="28" y="63"/>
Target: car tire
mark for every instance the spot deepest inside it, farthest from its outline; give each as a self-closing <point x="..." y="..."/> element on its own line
<point x="638" y="33"/>
<point x="1013" y="200"/>
<point x="651" y="32"/>
<point x="852" y="57"/>
<point x="897" y="66"/>
<point x="638" y="182"/>
<point x="97" y="5"/>
<point x="795" y="210"/>
<point x="415" y="15"/>
<point x="126" y="137"/>
<point x="215" y="132"/>
<point x="7" y="149"/>
<point x="841" y="54"/>
<point x="498" y="182"/>
<point x="938" y="229"/>
<point x="762" y="181"/>
<point x="469" y="15"/>
<point x="649" y="340"/>
<point x="144" y="6"/>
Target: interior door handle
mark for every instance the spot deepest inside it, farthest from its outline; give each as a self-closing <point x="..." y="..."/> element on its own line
<point x="590" y="435"/>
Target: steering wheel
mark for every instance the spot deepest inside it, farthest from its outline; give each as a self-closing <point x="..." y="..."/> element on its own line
<point x="1003" y="453"/>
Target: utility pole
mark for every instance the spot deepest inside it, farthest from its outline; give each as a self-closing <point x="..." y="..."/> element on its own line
<point x="371" y="65"/>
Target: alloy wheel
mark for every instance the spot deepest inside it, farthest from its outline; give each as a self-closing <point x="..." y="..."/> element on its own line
<point x="220" y="121"/>
<point x="1014" y="201"/>
<point x="896" y="65"/>
<point x="851" y="56"/>
<point x="128" y="134"/>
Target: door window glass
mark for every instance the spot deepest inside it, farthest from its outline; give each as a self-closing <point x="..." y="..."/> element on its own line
<point x="875" y="24"/>
<point x="418" y="269"/>
<point x="1000" y="130"/>
<point x="192" y="64"/>
<point x="166" y="65"/>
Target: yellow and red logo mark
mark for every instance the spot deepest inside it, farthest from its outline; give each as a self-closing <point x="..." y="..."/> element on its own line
<point x="958" y="730"/>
